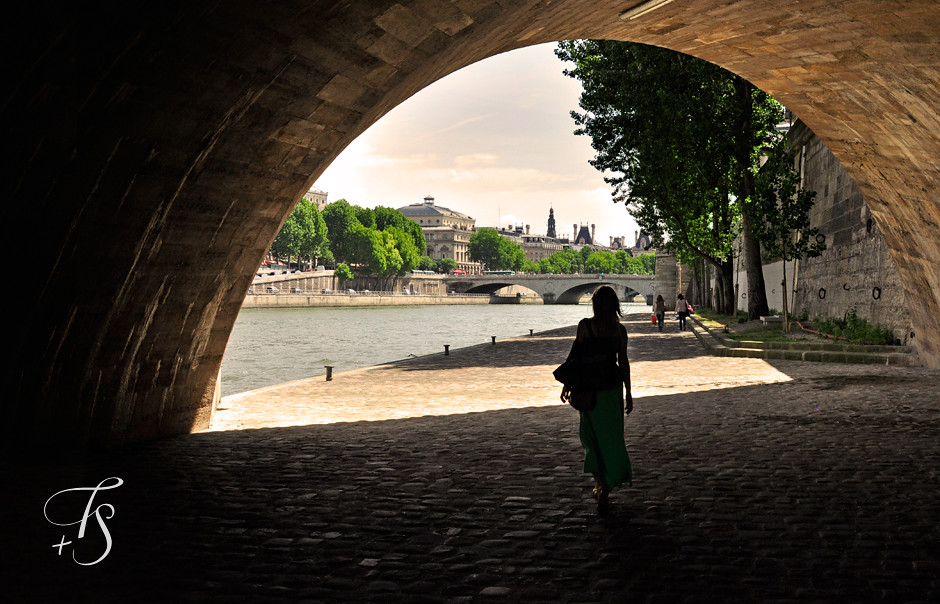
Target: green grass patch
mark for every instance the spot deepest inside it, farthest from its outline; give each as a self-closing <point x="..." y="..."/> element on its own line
<point x="855" y="329"/>
<point x="714" y="317"/>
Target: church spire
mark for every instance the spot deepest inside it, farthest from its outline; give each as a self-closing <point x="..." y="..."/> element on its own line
<point x="551" y="223"/>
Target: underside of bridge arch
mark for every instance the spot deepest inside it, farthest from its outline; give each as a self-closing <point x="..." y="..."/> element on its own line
<point x="573" y="295"/>
<point x="161" y="148"/>
<point x="487" y="288"/>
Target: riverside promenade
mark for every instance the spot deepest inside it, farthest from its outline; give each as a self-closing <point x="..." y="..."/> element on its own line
<point x="458" y="479"/>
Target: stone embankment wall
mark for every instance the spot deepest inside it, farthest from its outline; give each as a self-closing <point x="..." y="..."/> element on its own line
<point x="856" y="270"/>
<point x="288" y="300"/>
<point x="322" y="288"/>
<point x="317" y="282"/>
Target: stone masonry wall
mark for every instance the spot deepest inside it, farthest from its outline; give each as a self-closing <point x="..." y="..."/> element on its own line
<point x="856" y="270"/>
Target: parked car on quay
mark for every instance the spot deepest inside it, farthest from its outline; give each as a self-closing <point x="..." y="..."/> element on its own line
<point x="272" y="290"/>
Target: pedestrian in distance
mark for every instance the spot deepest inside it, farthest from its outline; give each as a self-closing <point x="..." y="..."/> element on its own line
<point x="659" y="309"/>
<point x="604" y="339"/>
<point x="682" y="308"/>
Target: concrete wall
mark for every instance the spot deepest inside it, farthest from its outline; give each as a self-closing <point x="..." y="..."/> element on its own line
<point x="301" y="300"/>
<point x="773" y="277"/>
<point x="316" y="282"/>
<point x="857" y="269"/>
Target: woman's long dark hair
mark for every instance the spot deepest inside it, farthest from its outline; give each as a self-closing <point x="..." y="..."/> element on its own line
<point x="606" y="305"/>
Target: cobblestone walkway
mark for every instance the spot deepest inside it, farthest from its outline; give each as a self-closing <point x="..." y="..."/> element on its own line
<point x="458" y="479"/>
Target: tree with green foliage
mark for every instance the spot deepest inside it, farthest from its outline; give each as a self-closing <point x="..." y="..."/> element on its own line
<point x="340" y="219"/>
<point x="528" y="266"/>
<point x="381" y="243"/>
<point x="343" y="273"/>
<point x="404" y="246"/>
<point x="426" y="263"/>
<point x="495" y="252"/>
<point x="601" y="262"/>
<point x="445" y="265"/>
<point x="678" y="139"/>
<point x="585" y="252"/>
<point x="647" y="264"/>
<point x="564" y="262"/>
<point x="785" y="207"/>
<point x="386" y="218"/>
<point x="366" y="249"/>
<point x="303" y="236"/>
<point x="365" y="216"/>
<point x="287" y="242"/>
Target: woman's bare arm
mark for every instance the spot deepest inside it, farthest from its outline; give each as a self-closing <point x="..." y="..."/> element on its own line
<point x="624" y="363"/>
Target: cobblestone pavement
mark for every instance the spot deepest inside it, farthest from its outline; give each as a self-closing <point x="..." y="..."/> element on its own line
<point x="458" y="479"/>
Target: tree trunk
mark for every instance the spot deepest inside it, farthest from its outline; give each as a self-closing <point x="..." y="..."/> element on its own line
<point x="750" y="251"/>
<point x="756" y="290"/>
<point x="725" y="289"/>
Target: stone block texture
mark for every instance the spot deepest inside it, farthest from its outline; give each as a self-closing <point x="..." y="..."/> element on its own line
<point x="161" y="148"/>
<point x="856" y="271"/>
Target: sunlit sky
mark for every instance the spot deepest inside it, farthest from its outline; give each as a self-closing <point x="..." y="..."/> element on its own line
<point x="494" y="140"/>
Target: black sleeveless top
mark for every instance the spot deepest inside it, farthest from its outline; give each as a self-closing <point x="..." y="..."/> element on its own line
<point x="600" y="354"/>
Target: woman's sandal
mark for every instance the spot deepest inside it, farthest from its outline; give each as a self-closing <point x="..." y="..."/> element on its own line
<point x="601" y="494"/>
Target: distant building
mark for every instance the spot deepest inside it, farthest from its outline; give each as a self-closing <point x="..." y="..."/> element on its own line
<point x="582" y="236"/>
<point x="551" y="224"/>
<point x="535" y="247"/>
<point x="316" y="196"/>
<point x="446" y="232"/>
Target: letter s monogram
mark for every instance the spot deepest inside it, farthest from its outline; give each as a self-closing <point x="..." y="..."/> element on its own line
<point x="104" y="485"/>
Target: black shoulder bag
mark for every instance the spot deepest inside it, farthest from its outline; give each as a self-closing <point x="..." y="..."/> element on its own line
<point x="577" y="374"/>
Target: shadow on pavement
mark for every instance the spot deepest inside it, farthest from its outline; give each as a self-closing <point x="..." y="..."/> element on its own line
<point x="788" y="492"/>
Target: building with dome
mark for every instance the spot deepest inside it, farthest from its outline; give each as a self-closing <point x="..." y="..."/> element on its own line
<point x="446" y="232"/>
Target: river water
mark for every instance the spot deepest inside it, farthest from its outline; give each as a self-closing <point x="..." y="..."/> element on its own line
<point x="275" y="345"/>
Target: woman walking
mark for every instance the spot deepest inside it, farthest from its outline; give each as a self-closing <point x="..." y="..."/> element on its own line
<point x="604" y="339"/>
<point x="660" y="311"/>
<point x="682" y="308"/>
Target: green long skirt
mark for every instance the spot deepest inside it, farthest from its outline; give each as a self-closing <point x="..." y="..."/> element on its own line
<point x="605" y="453"/>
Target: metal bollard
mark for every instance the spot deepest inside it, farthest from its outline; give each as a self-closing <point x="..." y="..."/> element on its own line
<point x="494" y="340"/>
<point x="329" y="373"/>
<point x="446" y="350"/>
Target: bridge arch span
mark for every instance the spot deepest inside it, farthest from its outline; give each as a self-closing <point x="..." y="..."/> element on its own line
<point x="172" y="140"/>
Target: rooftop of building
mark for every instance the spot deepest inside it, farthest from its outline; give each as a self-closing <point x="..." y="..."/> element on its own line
<point x="430" y="208"/>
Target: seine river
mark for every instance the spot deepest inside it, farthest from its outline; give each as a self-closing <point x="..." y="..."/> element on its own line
<point x="275" y="345"/>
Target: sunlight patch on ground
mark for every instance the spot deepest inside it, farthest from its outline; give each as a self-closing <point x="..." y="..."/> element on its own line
<point x="392" y="392"/>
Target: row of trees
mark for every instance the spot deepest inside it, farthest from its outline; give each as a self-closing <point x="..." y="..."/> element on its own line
<point x="685" y="145"/>
<point x="496" y="252"/>
<point x="380" y="242"/>
<point x="385" y="243"/>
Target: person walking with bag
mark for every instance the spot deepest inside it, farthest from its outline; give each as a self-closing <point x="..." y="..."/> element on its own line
<point x="660" y="311"/>
<point x="682" y="308"/>
<point x="601" y="345"/>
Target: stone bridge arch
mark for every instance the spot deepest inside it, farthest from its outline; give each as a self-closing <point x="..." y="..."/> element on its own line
<point x="161" y="149"/>
<point x="555" y="289"/>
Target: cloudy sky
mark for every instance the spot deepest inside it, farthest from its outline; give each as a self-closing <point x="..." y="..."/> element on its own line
<point x="493" y="140"/>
